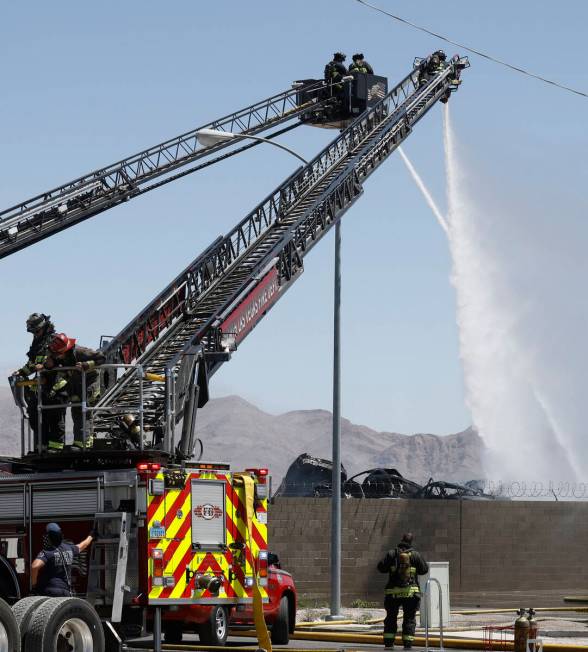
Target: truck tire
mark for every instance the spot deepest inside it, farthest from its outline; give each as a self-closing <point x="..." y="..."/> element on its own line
<point x="24" y="609"/>
<point x="280" y="634"/>
<point x="64" y="622"/>
<point x="216" y="629"/>
<point x="9" y="631"/>
<point x="173" y="632"/>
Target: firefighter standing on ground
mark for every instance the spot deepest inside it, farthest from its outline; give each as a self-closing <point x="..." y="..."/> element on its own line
<point x="360" y="65"/>
<point x="403" y="565"/>
<point x="63" y="352"/>
<point x="51" y="570"/>
<point x="53" y="428"/>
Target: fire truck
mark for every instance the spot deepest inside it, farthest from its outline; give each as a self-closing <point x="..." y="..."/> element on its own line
<point x="190" y="538"/>
<point x="182" y="543"/>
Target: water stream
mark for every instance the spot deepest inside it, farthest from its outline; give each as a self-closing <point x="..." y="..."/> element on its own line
<point x="508" y="372"/>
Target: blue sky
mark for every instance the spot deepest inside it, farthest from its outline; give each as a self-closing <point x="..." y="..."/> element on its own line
<point x="86" y="84"/>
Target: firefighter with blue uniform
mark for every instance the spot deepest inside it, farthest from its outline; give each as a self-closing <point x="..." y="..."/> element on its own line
<point x="403" y="564"/>
<point x="51" y="570"/>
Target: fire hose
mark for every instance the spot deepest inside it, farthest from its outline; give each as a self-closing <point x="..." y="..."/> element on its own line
<point x="263" y="637"/>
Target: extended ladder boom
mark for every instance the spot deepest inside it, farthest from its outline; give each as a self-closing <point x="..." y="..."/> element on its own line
<point x="66" y="205"/>
<point x="228" y="289"/>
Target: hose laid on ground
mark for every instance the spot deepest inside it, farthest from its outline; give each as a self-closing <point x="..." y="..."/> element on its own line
<point x="320" y="623"/>
<point x="466" y="612"/>
<point x="457" y="643"/>
<point x="474" y="612"/>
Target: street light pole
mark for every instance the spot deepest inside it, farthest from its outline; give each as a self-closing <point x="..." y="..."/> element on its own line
<point x="336" y="481"/>
<point x="208" y="137"/>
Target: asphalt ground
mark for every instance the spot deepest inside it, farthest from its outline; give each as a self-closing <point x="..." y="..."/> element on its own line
<point x="555" y="627"/>
<point x="238" y="644"/>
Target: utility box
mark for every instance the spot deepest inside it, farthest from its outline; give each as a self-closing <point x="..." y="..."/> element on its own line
<point x="438" y="570"/>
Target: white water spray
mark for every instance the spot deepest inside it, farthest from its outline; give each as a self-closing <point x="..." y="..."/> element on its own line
<point x="507" y="371"/>
<point x="525" y="394"/>
<point x="423" y="188"/>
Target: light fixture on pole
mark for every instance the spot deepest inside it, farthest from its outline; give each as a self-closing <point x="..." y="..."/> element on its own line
<point x="210" y="137"/>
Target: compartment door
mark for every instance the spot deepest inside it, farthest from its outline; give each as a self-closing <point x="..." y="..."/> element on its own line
<point x="208" y="515"/>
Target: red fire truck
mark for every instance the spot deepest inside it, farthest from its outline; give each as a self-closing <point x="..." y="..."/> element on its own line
<point x="189" y="540"/>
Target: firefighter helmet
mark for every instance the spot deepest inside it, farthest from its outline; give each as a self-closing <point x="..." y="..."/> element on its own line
<point x="54" y="534"/>
<point x="131" y="426"/>
<point x="339" y="56"/>
<point x="127" y="420"/>
<point x="36" y="321"/>
<point x="357" y="57"/>
<point x="61" y="344"/>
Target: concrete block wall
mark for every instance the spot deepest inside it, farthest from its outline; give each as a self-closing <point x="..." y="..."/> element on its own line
<point x="490" y="546"/>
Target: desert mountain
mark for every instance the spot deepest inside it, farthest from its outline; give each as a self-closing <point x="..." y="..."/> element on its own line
<point x="236" y="431"/>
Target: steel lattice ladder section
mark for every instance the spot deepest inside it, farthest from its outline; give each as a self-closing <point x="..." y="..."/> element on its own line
<point x="57" y="209"/>
<point x="155" y="360"/>
<point x="230" y="285"/>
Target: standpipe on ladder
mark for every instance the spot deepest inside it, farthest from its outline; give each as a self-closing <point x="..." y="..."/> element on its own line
<point x="263" y="637"/>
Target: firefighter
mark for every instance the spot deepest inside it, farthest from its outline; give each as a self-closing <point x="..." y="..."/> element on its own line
<point x="51" y="570"/>
<point x="64" y="352"/>
<point x="335" y="70"/>
<point x="403" y="565"/>
<point x="432" y="65"/>
<point x="360" y="65"/>
<point x="53" y="429"/>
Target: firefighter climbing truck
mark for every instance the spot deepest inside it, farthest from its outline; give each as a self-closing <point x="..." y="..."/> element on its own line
<point x="182" y="544"/>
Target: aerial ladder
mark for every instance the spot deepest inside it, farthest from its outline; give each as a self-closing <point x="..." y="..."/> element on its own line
<point x="158" y="367"/>
<point x="60" y="208"/>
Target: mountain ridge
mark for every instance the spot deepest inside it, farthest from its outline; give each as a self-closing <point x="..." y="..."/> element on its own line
<point x="238" y="432"/>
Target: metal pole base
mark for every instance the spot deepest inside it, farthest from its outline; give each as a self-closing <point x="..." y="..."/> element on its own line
<point x="157" y="630"/>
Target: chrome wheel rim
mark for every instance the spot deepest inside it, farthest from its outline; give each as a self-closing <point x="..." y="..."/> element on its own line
<point x="3" y="638"/>
<point x="74" y="636"/>
<point x="221" y="623"/>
